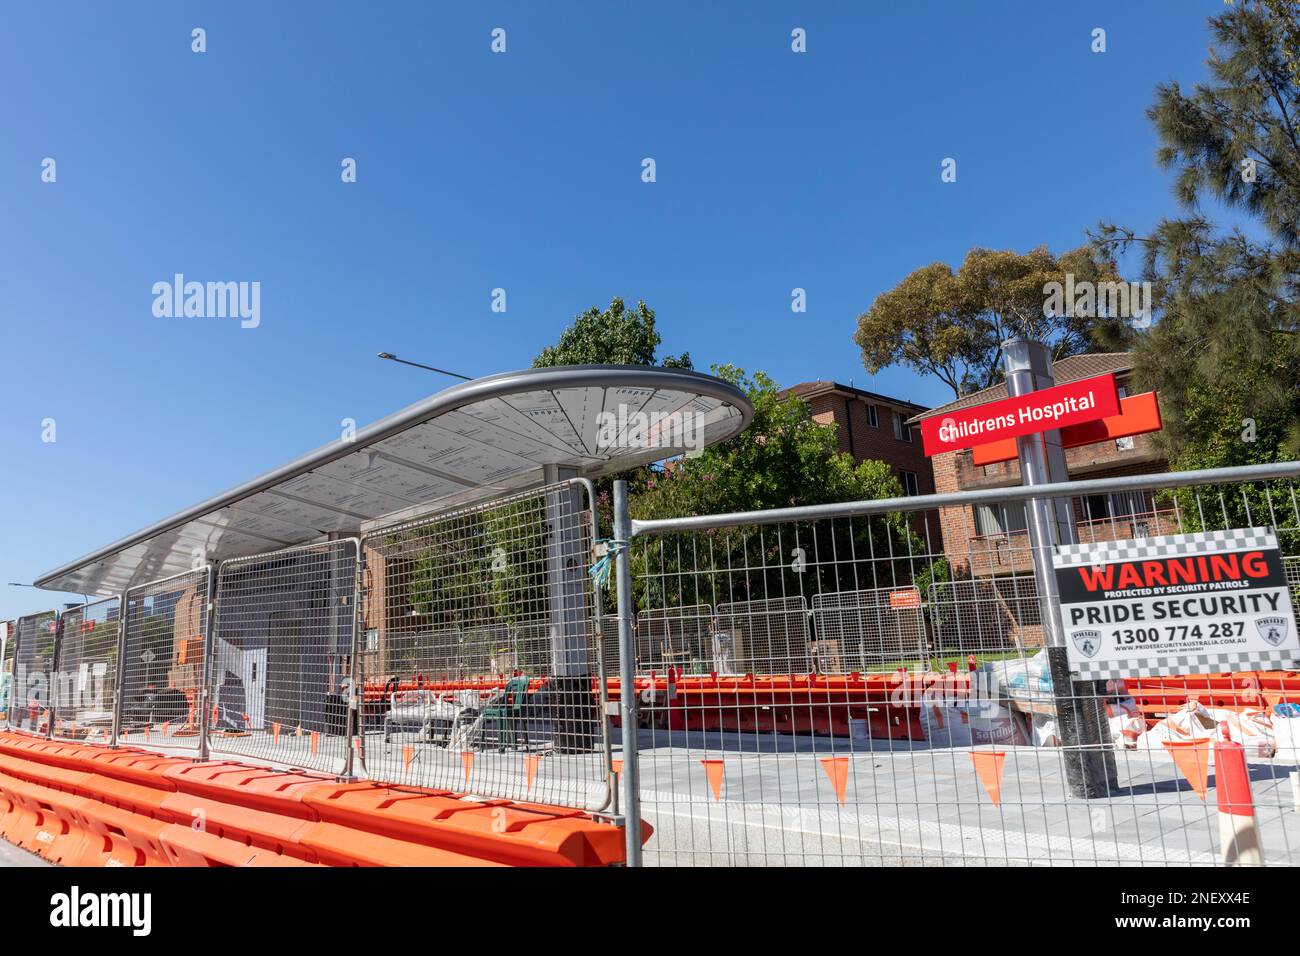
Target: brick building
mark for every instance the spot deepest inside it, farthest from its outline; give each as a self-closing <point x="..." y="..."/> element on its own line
<point x="876" y="427"/>
<point x="991" y="540"/>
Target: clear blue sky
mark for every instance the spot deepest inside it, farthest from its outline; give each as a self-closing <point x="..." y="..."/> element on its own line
<point x="519" y="171"/>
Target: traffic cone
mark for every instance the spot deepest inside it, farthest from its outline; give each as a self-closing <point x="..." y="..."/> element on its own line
<point x="1238" y="838"/>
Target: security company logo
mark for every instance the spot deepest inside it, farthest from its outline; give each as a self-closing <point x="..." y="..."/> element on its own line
<point x="1088" y="642"/>
<point x="1272" y="629"/>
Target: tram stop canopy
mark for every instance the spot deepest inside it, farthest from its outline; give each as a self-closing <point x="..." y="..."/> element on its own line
<point x="477" y="440"/>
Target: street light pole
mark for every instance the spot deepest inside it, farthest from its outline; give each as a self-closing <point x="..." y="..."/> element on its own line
<point x="441" y="371"/>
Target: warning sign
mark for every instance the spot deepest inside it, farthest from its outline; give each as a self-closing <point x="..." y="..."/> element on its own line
<point x="1178" y="604"/>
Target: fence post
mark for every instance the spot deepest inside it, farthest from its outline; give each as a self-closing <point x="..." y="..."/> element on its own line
<point x="209" y="652"/>
<point x="14" y="682"/>
<point x="627" y="699"/>
<point x="54" y="674"/>
<point x="354" y="725"/>
<point x="123" y="620"/>
<point x="1080" y="717"/>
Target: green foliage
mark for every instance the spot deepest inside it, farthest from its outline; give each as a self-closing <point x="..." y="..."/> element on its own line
<point x="1226" y="351"/>
<point x="614" y="336"/>
<point x="783" y="459"/>
<point x="936" y="572"/>
<point x="952" y="324"/>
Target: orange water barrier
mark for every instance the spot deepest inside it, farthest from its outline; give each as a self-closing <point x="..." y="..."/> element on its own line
<point x="90" y="805"/>
<point x="825" y="704"/>
<point x="787" y="703"/>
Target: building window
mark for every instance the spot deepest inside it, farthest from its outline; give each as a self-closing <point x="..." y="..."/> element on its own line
<point x="871" y="417"/>
<point x="1120" y="505"/>
<point x="1000" y="519"/>
<point x="902" y="430"/>
<point x="911" y="486"/>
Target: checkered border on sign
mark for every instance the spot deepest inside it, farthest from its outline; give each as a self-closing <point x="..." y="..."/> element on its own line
<point x="1169" y="545"/>
<point x="1186" y="664"/>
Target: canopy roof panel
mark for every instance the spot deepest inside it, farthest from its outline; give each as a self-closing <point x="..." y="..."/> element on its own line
<point x="472" y="441"/>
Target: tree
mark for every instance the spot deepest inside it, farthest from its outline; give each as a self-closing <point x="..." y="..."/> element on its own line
<point x="1225" y="355"/>
<point x="783" y="459"/>
<point x="614" y="336"/>
<point x="952" y="324"/>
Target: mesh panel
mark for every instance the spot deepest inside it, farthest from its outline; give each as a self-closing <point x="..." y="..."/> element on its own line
<point x="800" y="755"/>
<point x="281" y="664"/>
<point x="8" y="633"/>
<point x="985" y="615"/>
<point x="162" y="661"/>
<point x="768" y="636"/>
<point x="679" y="636"/>
<point x="484" y="674"/>
<point x="85" y="675"/>
<point x="34" y="658"/>
<point x="881" y="629"/>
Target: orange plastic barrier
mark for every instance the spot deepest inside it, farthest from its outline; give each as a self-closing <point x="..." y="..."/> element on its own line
<point x="87" y="805"/>
<point x="510" y="833"/>
<point x="780" y="703"/>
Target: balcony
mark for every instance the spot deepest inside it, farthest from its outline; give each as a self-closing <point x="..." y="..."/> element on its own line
<point x="1009" y="551"/>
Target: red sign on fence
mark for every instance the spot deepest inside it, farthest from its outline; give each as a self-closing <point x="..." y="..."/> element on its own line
<point x="1062" y="405"/>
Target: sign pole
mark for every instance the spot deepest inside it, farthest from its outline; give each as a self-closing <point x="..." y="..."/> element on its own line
<point x="1080" y="711"/>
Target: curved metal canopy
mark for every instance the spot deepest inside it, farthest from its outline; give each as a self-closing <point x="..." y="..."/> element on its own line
<point x="475" y="440"/>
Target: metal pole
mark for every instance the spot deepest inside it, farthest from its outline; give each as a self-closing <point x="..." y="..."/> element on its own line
<point x="124" y="604"/>
<point x="14" y="681"/>
<point x="627" y="699"/>
<point x="209" y="654"/>
<point x="54" y="673"/>
<point x="354" y="724"/>
<point x="602" y="671"/>
<point x="1080" y="714"/>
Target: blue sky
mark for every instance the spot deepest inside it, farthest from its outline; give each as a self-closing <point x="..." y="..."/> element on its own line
<point x="520" y="170"/>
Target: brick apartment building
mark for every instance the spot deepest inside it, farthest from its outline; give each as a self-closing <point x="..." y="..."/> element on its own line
<point x="983" y="540"/>
<point x="876" y="427"/>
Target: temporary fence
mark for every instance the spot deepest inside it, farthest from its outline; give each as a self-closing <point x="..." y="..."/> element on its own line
<point x="805" y="686"/>
<point x="163" y="650"/>
<point x="8" y="633"/>
<point x="483" y="667"/>
<point x="84" y="691"/>
<point x="281" y="665"/>
<point x="460" y="651"/>
<point x="34" y="640"/>
<point x="823" y="744"/>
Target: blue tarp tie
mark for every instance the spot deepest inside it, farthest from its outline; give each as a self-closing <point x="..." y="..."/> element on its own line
<point x="600" y="570"/>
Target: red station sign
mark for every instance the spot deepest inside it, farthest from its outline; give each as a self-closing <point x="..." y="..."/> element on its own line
<point x="1061" y="406"/>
